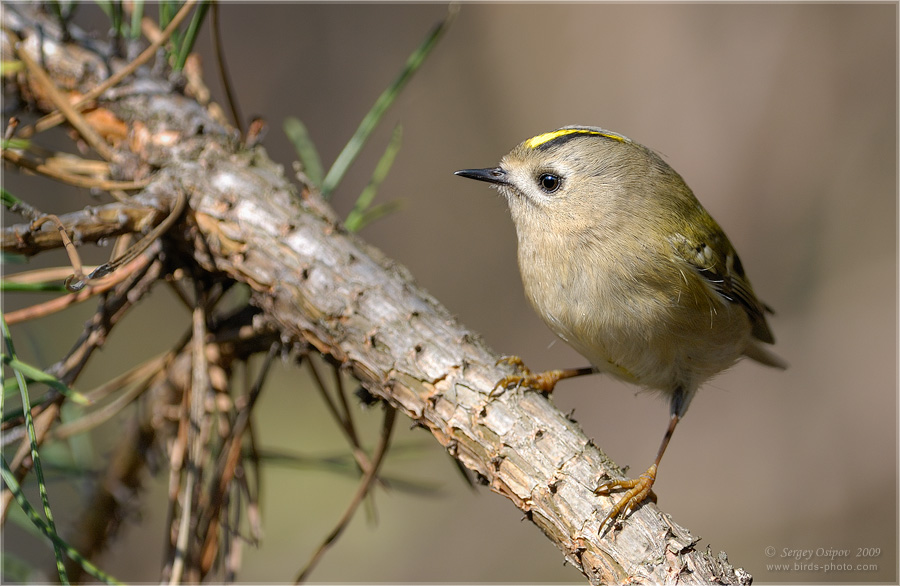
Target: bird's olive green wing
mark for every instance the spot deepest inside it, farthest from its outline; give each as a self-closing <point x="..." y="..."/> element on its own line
<point x="712" y="255"/>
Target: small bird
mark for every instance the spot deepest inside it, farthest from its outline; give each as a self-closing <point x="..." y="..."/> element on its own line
<point x="622" y="262"/>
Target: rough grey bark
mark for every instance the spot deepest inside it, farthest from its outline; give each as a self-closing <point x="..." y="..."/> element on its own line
<point x="319" y="285"/>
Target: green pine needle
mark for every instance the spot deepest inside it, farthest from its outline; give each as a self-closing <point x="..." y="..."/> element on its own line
<point x="363" y="212"/>
<point x="9" y="287"/>
<point x="19" y="144"/>
<point x="186" y="44"/>
<point x="8" y="199"/>
<point x="9" y="354"/>
<point x="354" y="145"/>
<point x="48" y="530"/>
<point x="36" y="375"/>
<point x="306" y="150"/>
<point x="137" y="13"/>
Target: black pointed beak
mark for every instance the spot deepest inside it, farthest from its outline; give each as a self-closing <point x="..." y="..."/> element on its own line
<point x="496" y="175"/>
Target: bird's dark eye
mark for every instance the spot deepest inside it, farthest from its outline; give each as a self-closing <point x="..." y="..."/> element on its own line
<point x="549" y="182"/>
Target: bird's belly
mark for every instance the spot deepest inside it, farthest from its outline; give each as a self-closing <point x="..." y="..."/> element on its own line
<point x="655" y="341"/>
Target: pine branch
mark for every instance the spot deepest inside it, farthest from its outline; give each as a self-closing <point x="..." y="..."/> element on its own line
<point x="318" y="285"/>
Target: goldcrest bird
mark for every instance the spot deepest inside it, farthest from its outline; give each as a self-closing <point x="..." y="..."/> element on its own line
<point x="622" y="262"/>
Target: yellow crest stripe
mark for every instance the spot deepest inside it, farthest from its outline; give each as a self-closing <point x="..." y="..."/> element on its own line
<point x="541" y="139"/>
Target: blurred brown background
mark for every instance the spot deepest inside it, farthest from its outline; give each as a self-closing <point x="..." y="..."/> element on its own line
<point x="782" y="118"/>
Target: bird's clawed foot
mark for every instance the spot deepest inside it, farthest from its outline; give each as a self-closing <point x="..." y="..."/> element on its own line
<point x="540" y="381"/>
<point x="638" y="489"/>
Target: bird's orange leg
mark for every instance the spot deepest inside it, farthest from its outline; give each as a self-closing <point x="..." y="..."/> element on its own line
<point x="638" y="489"/>
<point x="541" y="381"/>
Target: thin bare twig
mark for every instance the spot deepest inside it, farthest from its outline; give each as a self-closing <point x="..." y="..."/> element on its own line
<point x="70" y="178"/>
<point x="229" y="461"/>
<point x="361" y="492"/>
<point x="253" y="510"/>
<point x="42" y="275"/>
<point x="199" y="388"/>
<point x="60" y="303"/>
<point x="346" y="425"/>
<point x="91" y="136"/>
<point x="11" y="128"/>
<point x="142" y="373"/>
<point x="110" y="311"/>
<point x="107" y="316"/>
<point x="67" y="244"/>
<point x="136" y="250"/>
<point x="223" y="70"/>
<point x="342" y="398"/>
<point x="341" y="418"/>
<point x="91" y="224"/>
<point x="52" y="119"/>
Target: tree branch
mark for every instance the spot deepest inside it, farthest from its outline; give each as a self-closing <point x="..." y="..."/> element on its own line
<point x="316" y="284"/>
